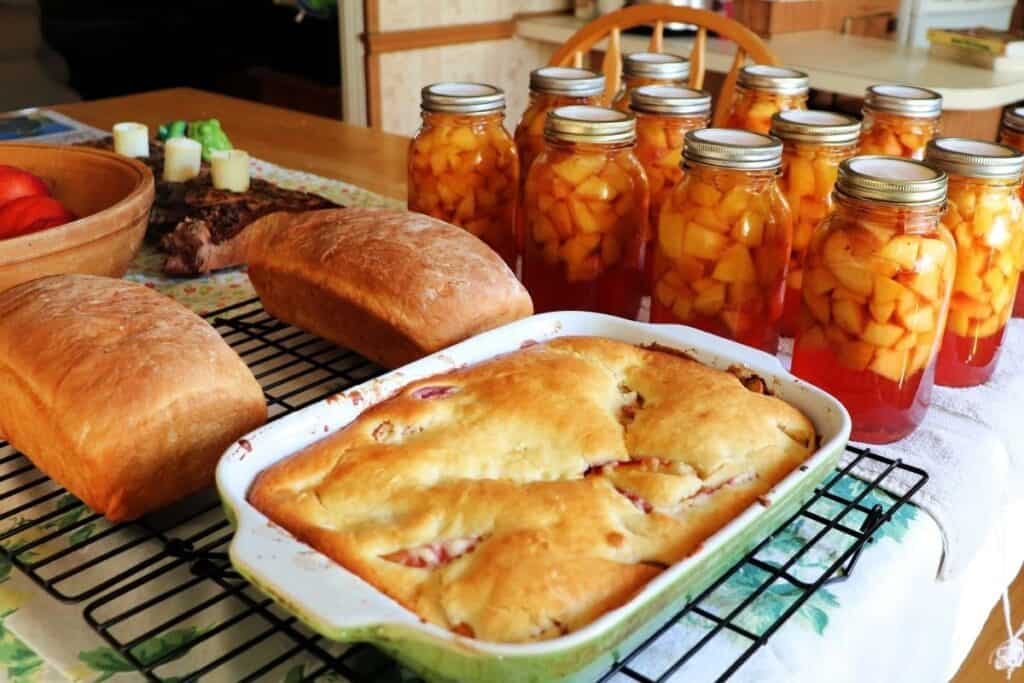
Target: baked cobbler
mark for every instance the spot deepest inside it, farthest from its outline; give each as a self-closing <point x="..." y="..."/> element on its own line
<point x="519" y="499"/>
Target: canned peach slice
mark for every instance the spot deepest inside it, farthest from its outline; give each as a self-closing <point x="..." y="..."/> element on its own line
<point x="578" y="167"/>
<point x="735" y="265"/>
<point x="700" y="242"/>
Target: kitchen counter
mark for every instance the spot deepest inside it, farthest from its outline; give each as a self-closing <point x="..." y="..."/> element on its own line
<point x="842" y="64"/>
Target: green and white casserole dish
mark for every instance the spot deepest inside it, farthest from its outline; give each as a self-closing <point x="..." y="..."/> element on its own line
<point x="342" y="607"/>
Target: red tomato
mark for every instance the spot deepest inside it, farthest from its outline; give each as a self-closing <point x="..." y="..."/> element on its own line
<point x="31" y="214"/>
<point x="14" y="183"/>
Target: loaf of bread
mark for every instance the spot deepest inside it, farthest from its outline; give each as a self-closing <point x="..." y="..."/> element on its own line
<point x="391" y="285"/>
<point x="118" y="393"/>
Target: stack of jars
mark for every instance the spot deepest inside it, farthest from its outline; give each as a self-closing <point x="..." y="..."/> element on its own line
<point x="892" y="272"/>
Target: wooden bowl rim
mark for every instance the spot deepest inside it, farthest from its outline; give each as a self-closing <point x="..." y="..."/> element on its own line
<point x="83" y="230"/>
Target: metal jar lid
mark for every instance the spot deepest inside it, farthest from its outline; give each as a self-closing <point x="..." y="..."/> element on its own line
<point x="974" y="158"/>
<point x="659" y="65"/>
<point x="816" y="127"/>
<point x="732" y="148"/>
<point x="1014" y="119"/>
<point x="891" y="180"/>
<point x="566" y="80"/>
<point x="669" y="99"/>
<point x="908" y="100"/>
<point x="462" y="98"/>
<point x="775" y="79"/>
<point x="584" y="123"/>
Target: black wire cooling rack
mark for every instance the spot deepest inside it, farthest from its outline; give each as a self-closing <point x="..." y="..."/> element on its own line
<point x="162" y="594"/>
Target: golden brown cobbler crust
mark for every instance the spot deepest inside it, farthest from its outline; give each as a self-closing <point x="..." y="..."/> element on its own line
<point x="506" y="465"/>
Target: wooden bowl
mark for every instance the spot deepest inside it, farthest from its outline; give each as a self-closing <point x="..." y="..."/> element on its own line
<point x="111" y="193"/>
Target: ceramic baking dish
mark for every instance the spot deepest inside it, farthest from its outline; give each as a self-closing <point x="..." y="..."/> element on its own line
<point x="343" y="607"/>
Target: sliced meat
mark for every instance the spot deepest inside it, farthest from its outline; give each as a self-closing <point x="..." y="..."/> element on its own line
<point x="200" y="227"/>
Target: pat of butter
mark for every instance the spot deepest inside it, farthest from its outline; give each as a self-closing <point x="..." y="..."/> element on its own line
<point x="230" y="170"/>
<point x="183" y="157"/>
<point x="131" y="139"/>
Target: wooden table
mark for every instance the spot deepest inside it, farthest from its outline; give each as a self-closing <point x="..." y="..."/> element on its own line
<point x="368" y="158"/>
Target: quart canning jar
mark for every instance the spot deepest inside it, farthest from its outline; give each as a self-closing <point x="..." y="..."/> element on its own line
<point x="586" y="210"/>
<point x="723" y="239"/>
<point x="877" y="279"/>
<point x="1011" y="133"/>
<point x="650" y="68"/>
<point x="664" y="115"/>
<point x="899" y="120"/>
<point x="813" y="145"/>
<point x="552" y="87"/>
<point x="761" y="91"/>
<point x="985" y="216"/>
<point x="463" y="166"/>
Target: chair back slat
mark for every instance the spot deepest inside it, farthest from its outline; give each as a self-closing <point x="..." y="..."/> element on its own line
<point x="657" y="38"/>
<point x="611" y="25"/>
<point x="612" y="66"/>
<point x="697" y="67"/>
<point x="728" y="88"/>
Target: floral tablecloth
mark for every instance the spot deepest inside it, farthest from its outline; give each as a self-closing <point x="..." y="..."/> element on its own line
<point x="858" y="630"/>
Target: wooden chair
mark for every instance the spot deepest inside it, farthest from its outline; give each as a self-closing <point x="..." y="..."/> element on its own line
<point x="611" y="25"/>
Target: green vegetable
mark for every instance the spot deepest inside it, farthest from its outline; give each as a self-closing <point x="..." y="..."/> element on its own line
<point x="171" y="129"/>
<point x="209" y="133"/>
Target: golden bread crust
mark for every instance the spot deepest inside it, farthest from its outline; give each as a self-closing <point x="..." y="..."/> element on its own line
<point x="121" y="395"/>
<point x="523" y="497"/>
<point x="391" y="285"/>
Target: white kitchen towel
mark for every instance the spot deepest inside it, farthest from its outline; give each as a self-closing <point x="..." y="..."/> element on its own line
<point x="967" y="460"/>
<point x="968" y="472"/>
<point x="999" y="403"/>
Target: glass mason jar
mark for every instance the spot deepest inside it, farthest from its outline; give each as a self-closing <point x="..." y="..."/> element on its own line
<point x="877" y="279"/>
<point x="650" y="68"/>
<point x="1011" y="133"/>
<point x="664" y="115"/>
<point x="463" y="166"/>
<point x="723" y="239"/>
<point x="762" y="90"/>
<point x="985" y="216"/>
<point x="585" y="215"/>
<point x="899" y="120"/>
<point x="813" y="144"/>
<point x="551" y="87"/>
